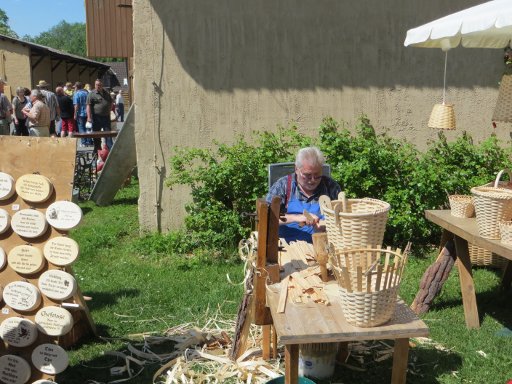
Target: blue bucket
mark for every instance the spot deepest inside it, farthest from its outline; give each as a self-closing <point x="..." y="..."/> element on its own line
<point x="280" y="380"/>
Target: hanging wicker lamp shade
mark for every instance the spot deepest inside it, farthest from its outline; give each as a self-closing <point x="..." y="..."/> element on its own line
<point x="503" y="110"/>
<point x="442" y="117"/>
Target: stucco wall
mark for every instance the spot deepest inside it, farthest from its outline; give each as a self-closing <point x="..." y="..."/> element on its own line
<point x="208" y="70"/>
<point x="16" y="65"/>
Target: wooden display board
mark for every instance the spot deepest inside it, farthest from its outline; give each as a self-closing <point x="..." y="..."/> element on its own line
<point x="53" y="158"/>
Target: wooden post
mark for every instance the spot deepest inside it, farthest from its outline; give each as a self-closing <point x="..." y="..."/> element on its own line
<point x="261" y="312"/>
<point x="400" y="358"/>
<point x="320" y="244"/>
<point x="273" y="231"/>
<point x="265" y="342"/>
<point x="506" y="279"/>
<point x="467" y="285"/>
<point x="291" y="362"/>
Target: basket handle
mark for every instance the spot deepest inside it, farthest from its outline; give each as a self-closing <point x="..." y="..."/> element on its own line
<point x="498" y="177"/>
<point x="337" y="210"/>
<point x="344" y="201"/>
<point x="325" y="203"/>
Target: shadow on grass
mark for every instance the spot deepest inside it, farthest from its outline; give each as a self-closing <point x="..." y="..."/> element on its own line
<point x="86" y="210"/>
<point x="492" y="302"/>
<point x="102" y="299"/>
<point x="126" y="201"/>
<point x="98" y="370"/>
<point x="426" y="365"/>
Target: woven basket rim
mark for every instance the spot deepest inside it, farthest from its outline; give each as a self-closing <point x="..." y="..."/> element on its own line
<point x="492" y="192"/>
<point x="460" y="197"/>
<point x="384" y="207"/>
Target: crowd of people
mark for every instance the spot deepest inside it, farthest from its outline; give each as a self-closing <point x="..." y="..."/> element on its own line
<point x="71" y="108"/>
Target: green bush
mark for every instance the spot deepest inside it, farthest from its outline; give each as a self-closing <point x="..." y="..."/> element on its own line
<point x="225" y="181"/>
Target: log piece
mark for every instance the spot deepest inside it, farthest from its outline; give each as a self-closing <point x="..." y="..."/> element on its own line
<point x="434" y="278"/>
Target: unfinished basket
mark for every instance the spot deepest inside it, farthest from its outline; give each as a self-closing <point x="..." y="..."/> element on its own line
<point x="461" y="205"/>
<point x="493" y="203"/>
<point x="481" y="257"/>
<point x="369" y="281"/>
<point x="354" y="223"/>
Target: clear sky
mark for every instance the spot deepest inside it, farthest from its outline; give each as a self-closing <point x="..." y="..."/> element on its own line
<point x="31" y="17"/>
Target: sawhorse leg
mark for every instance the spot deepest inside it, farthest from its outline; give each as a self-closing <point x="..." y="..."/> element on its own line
<point x="291" y="363"/>
<point x="506" y="280"/>
<point x="400" y="358"/>
<point x="467" y="285"/>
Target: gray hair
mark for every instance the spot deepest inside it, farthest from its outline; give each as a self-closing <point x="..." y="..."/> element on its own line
<point x="37" y="94"/>
<point x="310" y="155"/>
<point x="20" y="89"/>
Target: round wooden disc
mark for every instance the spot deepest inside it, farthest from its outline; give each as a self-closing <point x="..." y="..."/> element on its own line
<point x="14" y="370"/>
<point x="5" y="220"/>
<point x="26" y="259"/>
<point x="21" y="296"/>
<point x="57" y="284"/>
<point x="6" y="186"/>
<point x="34" y="188"/>
<point x="29" y="223"/>
<point x="64" y="215"/>
<point x="50" y="358"/>
<point x="61" y="251"/>
<point x="3" y="258"/>
<point x="18" y="332"/>
<point x="54" y="321"/>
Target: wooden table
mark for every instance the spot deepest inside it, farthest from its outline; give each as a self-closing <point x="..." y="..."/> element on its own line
<point x="464" y="230"/>
<point x="320" y="323"/>
<point x="95" y="134"/>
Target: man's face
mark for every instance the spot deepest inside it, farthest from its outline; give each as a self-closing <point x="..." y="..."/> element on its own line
<point x="309" y="176"/>
<point x="98" y="85"/>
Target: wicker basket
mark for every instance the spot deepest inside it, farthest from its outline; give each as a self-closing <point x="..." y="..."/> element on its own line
<point x="493" y="203"/>
<point x="481" y="257"/>
<point x="462" y="205"/>
<point x="369" y="281"/>
<point x="442" y="117"/>
<point x="506" y="232"/>
<point x="354" y="223"/>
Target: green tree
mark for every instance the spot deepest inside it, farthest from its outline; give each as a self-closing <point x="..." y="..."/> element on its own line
<point x="4" y="25"/>
<point x="64" y="36"/>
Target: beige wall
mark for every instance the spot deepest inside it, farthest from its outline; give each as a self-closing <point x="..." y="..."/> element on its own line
<point x="14" y="65"/>
<point x="208" y="70"/>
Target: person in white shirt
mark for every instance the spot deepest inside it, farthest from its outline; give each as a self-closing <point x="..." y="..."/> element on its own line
<point x="119" y="107"/>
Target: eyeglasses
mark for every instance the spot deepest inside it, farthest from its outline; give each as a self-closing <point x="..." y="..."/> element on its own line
<point x="309" y="176"/>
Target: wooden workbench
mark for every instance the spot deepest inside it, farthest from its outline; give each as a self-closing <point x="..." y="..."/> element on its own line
<point x="464" y="230"/>
<point x="319" y="323"/>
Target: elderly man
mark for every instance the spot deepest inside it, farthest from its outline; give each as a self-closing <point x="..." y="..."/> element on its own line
<point x="51" y="101"/>
<point x="38" y="116"/>
<point x="300" y="191"/>
<point x="5" y="111"/>
<point x="99" y="104"/>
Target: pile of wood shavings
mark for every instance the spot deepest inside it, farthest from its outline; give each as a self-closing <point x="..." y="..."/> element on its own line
<point x="204" y="358"/>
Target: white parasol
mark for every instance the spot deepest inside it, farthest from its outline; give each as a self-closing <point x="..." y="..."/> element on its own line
<point x="488" y="25"/>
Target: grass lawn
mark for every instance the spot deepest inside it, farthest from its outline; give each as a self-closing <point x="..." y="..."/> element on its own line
<point x="138" y="291"/>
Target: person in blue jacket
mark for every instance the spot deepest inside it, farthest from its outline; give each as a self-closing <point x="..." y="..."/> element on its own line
<point x="300" y="191"/>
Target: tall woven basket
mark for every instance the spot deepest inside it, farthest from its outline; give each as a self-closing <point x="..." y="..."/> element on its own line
<point x="481" y="257"/>
<point x="369" y="281"/>
<point x="354" y="223"/>
<point x="493" y="203"/>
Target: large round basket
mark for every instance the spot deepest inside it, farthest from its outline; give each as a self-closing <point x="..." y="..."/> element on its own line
<point x="461" y="205"/>
<point x="354" y="223"/>
<point x="369" y="281"/>
<point x="493" y="203"/>
<point x="481" y="257"/>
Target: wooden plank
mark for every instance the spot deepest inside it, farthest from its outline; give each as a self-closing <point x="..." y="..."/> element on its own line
<point x="467" y="229"/>
<point x="291" y="361"/>
<point x="320" y="244"/>
<point x="273" y="230"/>
<point x="119" y="165"/>
<point x="467" y="285"/>
<point x="265" y="342"/>
<point x="261" y="312"/>
<point x="55" y="159"/>
<point x="400" y="358"/>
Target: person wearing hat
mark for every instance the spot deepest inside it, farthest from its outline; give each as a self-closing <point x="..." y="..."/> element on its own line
<point x="5" y="111"/>
<point x="38" y="116"/>
<point x="99" y="104"/>
<point x="51" y="101"/>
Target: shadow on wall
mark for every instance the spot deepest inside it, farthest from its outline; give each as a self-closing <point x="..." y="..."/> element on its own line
<point x="306" y="44"/>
